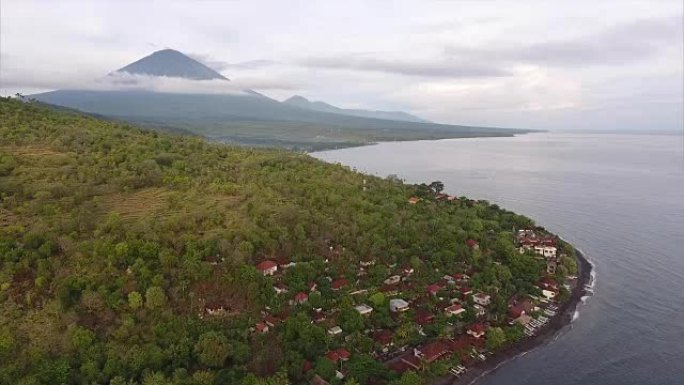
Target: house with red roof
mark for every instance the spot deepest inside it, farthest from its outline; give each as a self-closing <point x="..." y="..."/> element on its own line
<point x="518" y="308"/>
<point x="465" y="290"/>
<point x="400" y="366"/>
<point x="383" y="338"/>
<point x="472" y="244"/>
<point x="462" y="343"/>
<point x="424" y="317"/>
<point x="213" y="259"/>
<point x="548" y="283"/>
<point x="454" y="310"/>
<point x="272" y="321"/>
<point x="267" y="267"/>
<point x="338" y="355"/>
<point x="284" y="262"/>
<point x="312" y="286"/>
<point x="318" y="316"/>
<point x="306" y="366"/>
<point x="389" y="290"/>
<point x="549" y="287"/>
<point x="280" y="288"/>
<point x="516" y="311"/>
<point x="301" y="297"/>
<point x="411" y="360"/>
<point x="414" y="200"/>
<point x="339" y="284"/>
<point x="433" y="289"/>
<point x="476" y="330"/>
<point x="261" y="328"/>
<point x="431" y="352"/>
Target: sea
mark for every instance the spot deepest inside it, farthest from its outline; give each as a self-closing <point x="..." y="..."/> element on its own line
<point x="619" y="198"/>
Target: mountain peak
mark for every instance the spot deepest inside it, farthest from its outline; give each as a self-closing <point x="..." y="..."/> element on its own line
<point x="297" y="99"/>
<point x="171" y="63"/>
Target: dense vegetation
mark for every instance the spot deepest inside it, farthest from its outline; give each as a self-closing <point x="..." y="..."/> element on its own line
<point x="113" y="239"/>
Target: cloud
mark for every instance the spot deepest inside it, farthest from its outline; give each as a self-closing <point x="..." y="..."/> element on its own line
<point x="633" y="41"/>
<point x="427" y="68"/>
<point x="253" y="64"/>
<point x="265" y="83"/>
<point x="531" y="89"/>
<point x="222" y="65"/>
<point x="209" y="61"/>
<point x="122" y="81"/>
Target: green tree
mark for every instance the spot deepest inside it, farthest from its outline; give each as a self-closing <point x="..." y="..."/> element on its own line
<point x="408" y="378"/>
<point x="155" y="298"/>
<point x="203" y="377"/>
<point x="496" y="338"/>
<point x="307" y="339"/>
<point x="155" y="378"/>
<point x="81" y="338"/>
<point x="364" y="368"/>
<point x="351" y="320"/>
<point x="212" y="349"/>
<point x="514" y="333"/>
<point x="378" y="299"/>
<point x="135" y="300"/>
<point x="325" y="368"/>
<point x="437" y="186"/>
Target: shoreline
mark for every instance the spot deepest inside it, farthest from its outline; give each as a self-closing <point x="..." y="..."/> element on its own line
<point x="345" y="146"/>
<point x="549" y="332"/>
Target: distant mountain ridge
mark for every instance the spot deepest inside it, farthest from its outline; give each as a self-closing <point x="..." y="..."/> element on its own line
<point x="248" y="117"/>
<point x="171" y="63"/>
<point x="302" y="102"/>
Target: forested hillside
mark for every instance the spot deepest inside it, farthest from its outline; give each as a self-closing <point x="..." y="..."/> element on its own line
<point x="118" y="248"/>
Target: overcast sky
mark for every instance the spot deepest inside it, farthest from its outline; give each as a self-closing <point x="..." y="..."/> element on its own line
<point x="533" y="64"/>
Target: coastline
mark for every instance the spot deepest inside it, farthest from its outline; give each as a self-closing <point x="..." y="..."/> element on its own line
<point x="546" y="334"/>
<point x="324" y="147"/>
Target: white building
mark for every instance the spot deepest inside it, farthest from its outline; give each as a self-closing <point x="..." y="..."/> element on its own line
<point x="549" y="294"/>
<point x="454" y="310"/>
<point x="393" y="280"/>
<point x="398" y="305"/>
<point x="546" y="251"/>
<point x="482" y="299"/>
<point x="363" y="309"/>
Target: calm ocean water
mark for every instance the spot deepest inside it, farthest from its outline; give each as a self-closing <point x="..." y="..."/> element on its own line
<point x="619" y="198"/>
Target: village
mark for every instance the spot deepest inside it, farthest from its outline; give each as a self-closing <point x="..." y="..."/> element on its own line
<point x="409" y="322"/>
